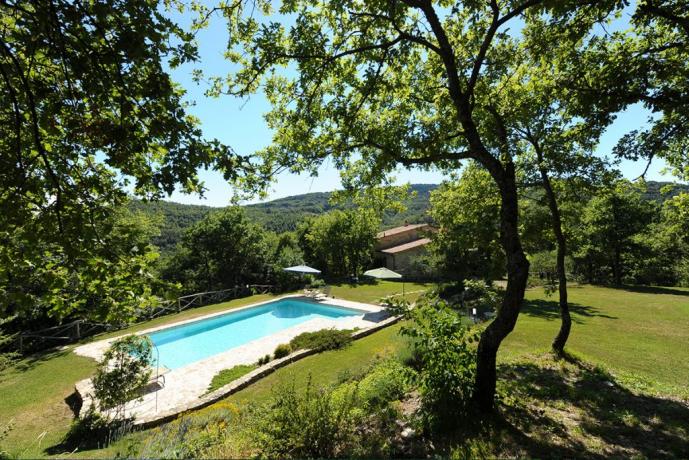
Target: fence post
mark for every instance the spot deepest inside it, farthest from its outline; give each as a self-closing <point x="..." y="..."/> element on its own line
<point x="179" y="304"/>
<point x="78" y="330"/>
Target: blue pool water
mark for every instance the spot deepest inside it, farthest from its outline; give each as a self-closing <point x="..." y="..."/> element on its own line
<point x="191" y="342"/>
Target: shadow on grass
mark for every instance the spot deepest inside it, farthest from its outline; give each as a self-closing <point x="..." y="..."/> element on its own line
<point x="577" y="410"/>
<point x="570" y="409"/>
<point x="30" y="362"/>
<point x="653" y="290"/>
<point x="550" y="310"/>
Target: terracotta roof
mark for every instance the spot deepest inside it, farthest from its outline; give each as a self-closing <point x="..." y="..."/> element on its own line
<point x="398" y="230"/>
<point x="406" y="246"/>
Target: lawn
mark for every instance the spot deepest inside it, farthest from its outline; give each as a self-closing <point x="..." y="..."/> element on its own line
<point x="33" y="393"/>
<point x="641" y="336"/>
<point x="372" y="293"/>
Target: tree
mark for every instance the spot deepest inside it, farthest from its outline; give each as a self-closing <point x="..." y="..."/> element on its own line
<point x="123" y="373"/>
<point x="87" y="109"/>
<point x="664" y="246"/>
<point x="646" y="63"/>
<point x="377" y="85"/>
<point x="221" y="251"/>
<point x="610" y="223"/>
<point x="675" y="220"/>
<point x="112" y="283"/>
<point x="468" y="239"/>
<point x="340" y="243"/>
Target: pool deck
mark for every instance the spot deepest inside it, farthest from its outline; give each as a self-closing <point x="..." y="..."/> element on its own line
<point x="186" y="385"/>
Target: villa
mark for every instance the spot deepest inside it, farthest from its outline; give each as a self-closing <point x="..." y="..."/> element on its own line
<point x="399" y="247"/>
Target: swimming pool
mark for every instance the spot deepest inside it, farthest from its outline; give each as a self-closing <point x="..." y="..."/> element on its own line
<point x="194" y="341"/>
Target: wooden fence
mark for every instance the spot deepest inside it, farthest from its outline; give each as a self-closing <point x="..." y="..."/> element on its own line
<point x="76" y="330"/>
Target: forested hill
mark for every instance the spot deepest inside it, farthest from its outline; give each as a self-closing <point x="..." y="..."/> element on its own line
<point x="279" y="215"/>
<point x="285" y="213"/>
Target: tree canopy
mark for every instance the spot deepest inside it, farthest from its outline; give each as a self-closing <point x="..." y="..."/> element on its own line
<point x="88" y="110"/>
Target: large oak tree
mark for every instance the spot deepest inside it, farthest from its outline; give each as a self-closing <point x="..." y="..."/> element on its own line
<point x="87" y="110"/>
<point x="378" y="84"/>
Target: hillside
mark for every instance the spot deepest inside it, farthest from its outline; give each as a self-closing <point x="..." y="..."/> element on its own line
<point x="284" y="214"/>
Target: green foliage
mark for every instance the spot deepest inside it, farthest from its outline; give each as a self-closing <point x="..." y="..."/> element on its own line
<point x="308" y="424"/>
<point x="226" y="376"/>
<point x="7" y="356"/>
<point x="114" y="283"/>
<point x="123" y="372"/>
<point x="280" y="215"/>
<point x="607" y="240"/>
<point x="356" y="418"/>
<point x="481" y="296"/>
<point x="448" y="362"/>
<point x="192" y="436"/>
<point x="221" y="251"/>
<point x="467" y="242"/>
<point x="94" y="431"/>
<point x="340" y="243"/>
<point x="325" y="339"/>
<point x="264" y="360"/>
<point x="543" y="270"/>
<point x="174" y="218"/>
<point x="387" y="381"/>
<point x="282" y="350"/>
<point x="91" y="112"/>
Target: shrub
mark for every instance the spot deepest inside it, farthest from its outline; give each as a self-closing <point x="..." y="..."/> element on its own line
<point x="312" y="424"/>
<point x="315" y="283"/>
<point x="93" y="431"/>
<point x="263" y="360"/>
<point x="194" y="435"/>
<point x="123" y="372"/>
<point x="388" y="381"/>
<point x="282" y="350"/>
<point x="7" y="357"/>
<point x="448" y="365"/>
<point x="325" y="339"/>
<point x="477" y="294"/>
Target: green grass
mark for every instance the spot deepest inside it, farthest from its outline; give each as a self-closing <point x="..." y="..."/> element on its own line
<point x="325" y="368"/>
<point x="226" y="376"/>
<point x="32" y="398"/>
<point x="372" y="293"/>
<point x="640" y="334"/>
<point x="33" y="392"/>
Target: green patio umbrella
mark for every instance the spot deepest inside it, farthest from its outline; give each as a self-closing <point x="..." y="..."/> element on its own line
<point x="383" y="273"/>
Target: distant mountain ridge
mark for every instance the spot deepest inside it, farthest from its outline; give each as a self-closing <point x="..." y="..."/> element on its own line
<point x="284" y="214"/>
<point x="280" y="215"/>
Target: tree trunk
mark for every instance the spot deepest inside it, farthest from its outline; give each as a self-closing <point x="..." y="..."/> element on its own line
<point x="517" y="274"/>
<point x="566" y="319"/>
<point x="617" y="267"/>
<point x="556" y="220"/>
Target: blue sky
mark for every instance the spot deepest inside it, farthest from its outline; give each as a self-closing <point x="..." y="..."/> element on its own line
<point x="240" y="124"/>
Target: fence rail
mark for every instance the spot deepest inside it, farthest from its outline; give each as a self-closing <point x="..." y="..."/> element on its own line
<point x="73" y="331"/>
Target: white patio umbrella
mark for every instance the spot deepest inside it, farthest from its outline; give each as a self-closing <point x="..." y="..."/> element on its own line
<point x="383" y="273"/>
<point x="302" y="269"/>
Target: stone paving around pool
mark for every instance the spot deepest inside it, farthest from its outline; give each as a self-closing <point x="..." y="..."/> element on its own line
<point x="187" y="384"/>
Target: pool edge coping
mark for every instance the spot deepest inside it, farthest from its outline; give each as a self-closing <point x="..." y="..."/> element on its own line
<point x="85" y="349"/>
<point x="82" y="387"/>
